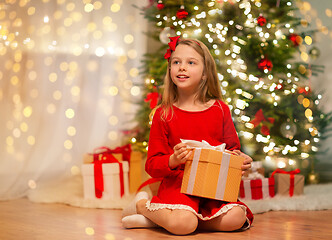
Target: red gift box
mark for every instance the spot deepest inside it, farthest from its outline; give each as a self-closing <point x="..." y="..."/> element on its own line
<point x="255" y="189"/>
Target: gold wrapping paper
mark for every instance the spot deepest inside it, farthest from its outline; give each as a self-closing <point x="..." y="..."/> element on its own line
<point x="135" y="171"/>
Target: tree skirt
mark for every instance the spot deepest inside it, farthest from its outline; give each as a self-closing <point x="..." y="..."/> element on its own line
<point x="315" y="197"/>
<point x="70" y="191"/>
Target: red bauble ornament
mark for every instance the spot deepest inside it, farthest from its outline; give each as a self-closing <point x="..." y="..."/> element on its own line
<point x="160" y="5"/>
<point x="305" y="90"/>
<point x="296" y="39"/>
<point x="261" y="21"/>
<point x="265" y="64"/>
<point x="181" y="13"/>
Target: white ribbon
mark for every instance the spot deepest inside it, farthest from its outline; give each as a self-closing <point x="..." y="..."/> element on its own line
<point x="194" y="166"/>
<point x="265" y="188"/>
<point x="247" y="189"/>
<point x="203" y="144"/>
<point x="223" y="173"/>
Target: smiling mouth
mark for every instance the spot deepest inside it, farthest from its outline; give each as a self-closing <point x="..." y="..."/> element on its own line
<point x="182" y="77"/>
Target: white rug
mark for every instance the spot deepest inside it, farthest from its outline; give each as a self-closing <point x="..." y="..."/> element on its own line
<point x="315" y="197"/>
<point x="70" y="191"/>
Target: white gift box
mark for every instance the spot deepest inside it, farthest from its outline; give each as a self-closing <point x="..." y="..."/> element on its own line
<point x="111" y="178"/>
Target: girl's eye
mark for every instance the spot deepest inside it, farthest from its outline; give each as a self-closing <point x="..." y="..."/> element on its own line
<point x="175" y="62"/>
<point x="191" y="63"/>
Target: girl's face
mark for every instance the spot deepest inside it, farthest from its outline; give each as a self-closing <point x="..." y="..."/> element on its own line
<point x="187" y="68"/>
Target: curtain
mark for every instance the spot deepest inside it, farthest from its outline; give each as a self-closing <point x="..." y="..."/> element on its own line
<point x="69" y="81"/>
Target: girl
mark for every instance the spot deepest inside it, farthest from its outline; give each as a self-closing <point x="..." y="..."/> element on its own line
<point x="192" y="109"/>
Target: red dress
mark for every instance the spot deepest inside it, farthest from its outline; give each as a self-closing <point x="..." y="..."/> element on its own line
<point x="213" y="125"/>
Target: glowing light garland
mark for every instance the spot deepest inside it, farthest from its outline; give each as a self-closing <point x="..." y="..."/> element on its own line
<point x="217" y="35"/>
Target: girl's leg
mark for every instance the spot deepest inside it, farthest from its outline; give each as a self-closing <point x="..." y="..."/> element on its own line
<point x="179" y="222"/>
<point x="230" y="221"/>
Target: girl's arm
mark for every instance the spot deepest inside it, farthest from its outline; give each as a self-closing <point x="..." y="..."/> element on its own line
<point x="159" y="151"/>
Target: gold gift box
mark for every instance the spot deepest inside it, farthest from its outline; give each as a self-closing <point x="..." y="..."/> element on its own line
<point x="135" y="170"/>
<point x="213" y="174"/>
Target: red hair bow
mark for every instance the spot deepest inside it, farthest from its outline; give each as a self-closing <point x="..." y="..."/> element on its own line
<point x="172" y="45"/>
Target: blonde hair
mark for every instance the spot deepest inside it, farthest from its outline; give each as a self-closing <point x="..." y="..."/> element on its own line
<point x="209" y="87"/>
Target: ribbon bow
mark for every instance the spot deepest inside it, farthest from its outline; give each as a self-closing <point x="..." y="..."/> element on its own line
<point x="259" y="117"/>
<point x="172" y="45"/>
<point x="256" y="165"/>
<point x="296" y="171"/>
<point x="153" y="97"/>
<point x="203" y="144"/>
<point x="253" y="175"/>
<point x="291" y="176"/>
<point x="125" y="151"/>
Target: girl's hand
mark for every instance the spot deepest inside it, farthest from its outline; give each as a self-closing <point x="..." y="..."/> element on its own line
<point x="247" y="161"/>
<point x="181" y="155"/>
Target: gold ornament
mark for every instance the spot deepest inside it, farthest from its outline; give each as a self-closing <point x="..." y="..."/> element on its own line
<point x="313" y="178"/>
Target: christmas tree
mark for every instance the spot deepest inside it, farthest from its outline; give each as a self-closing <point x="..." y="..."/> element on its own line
<point x="256" y="45"/>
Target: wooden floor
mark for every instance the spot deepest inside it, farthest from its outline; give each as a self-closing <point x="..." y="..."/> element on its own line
<point x="22" y="219"/>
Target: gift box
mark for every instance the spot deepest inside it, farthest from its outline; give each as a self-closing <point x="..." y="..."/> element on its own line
<point x="135" y="170"/>
<point x="254" y="189"/>
<point x="122" y="153"/>
<point x="214" y="174"/>
<point x="288" y="183"/>
<point x="112" y="182"/>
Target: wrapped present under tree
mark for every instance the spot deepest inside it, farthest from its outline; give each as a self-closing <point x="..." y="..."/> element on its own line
<point x="106" y="178"/>
<point x="254" y="189"/>
<point x="288" y="183"/>
<point x="122" y="153"/>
